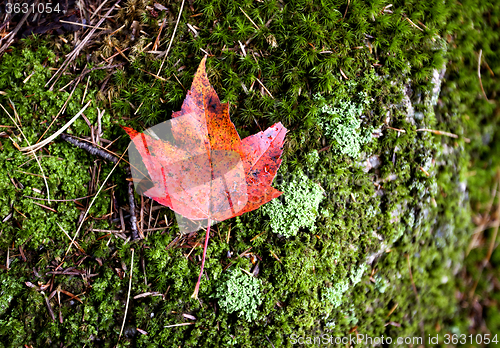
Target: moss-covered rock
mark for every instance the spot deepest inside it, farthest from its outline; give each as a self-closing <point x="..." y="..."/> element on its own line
<point x="372" y="230"/>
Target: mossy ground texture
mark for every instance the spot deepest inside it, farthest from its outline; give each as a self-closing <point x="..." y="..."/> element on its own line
<point x="371" y="232"/>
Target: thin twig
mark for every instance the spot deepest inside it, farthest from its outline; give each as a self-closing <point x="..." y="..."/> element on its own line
<point x="172" y="39"/>
<point x="80" y="24"/>
<point x="67" y="235"/>
<point x="41" y="144"/>
<point x="250" y="19"/>
<point x="98" y="9"/>
<point x="128" y="296"/>
<point x="156" y="76"/>
<point x="155" y="46"/>
<point x="264" y="87"/>
<point x="479" y="74"/>
<point x="438" y="132"/>
<point x="493" y="238"/>
<point x="181" y="324"/>
<point x="34" y="154"/>
<point x="396" y="129"/>
<point x="411" y="277"/>
<point x="416" y="26"/>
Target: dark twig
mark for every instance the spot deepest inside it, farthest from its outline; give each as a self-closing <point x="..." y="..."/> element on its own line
<point x="89" y="148"/>
<point x="131" y="202"/>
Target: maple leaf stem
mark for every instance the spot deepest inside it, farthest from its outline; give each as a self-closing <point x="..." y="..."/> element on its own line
<point x="197" y="287"/>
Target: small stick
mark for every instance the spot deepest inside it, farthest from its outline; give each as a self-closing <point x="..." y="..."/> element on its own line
<point x="67" y="235"/>
<point x="145" y="294"/>
<point x="172" y="39"/>
<point x="195" y="32"/>
<point x="49" y="307"/>
<point x="411" y="277"/>
<point x="122" y="221"/>
<point x="348" y="2"/>
<point x="38" y="175"/>
<point x="242" y="49"/>
<point x="479" y="74"/>
<point x="274" y="255"/>
<point x="344" y="75"/>
<point x="228" y="234"/>
<point x="250" y="19"/>
<point x="392" y="310"/>
<point x="142" y="217"/>
<point x="182" y="324"/>
<point x="155" y="46"/>
<point x="416" y="26"/>
<point x="45" y="207"/>
<point x="99" y="126"/>
<point x="257" y="236"/>
<point x="121" y="53"/>
<point x="438" y="132"/>
<point x="80" y="24"/>
<point x="244" y="270"/>
<point x="85" y="92"/>
<point x="325" y="148"/>
<point x="425" y="171"/>
<point x="96" y="11"/>
<point x="270" y="342"/>
<point x="264" y="87"/>
<point x="41" y="144"/>
<point x="150" y="211"/>
<point x="107" y="231"/>
<point x="397" y="129"/>
<point x="62" y="200"/>
<point x="117" y="30"/>
<point x="180" y="83"/>
<point x="156" y="76"/>
<point x="128" y="296"/>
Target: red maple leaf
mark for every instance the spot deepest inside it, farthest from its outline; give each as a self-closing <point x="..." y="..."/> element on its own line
<point x="200" y="167"/>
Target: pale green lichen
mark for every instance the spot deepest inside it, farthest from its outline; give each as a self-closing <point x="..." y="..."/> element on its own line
<point x="335" y="294"/>
<point x="298" y="208"/>
<point x="381" y="283"/>
<point x="341" y="123"/>
<point x="240" y="293"/>
<point x="312" y="157"/>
